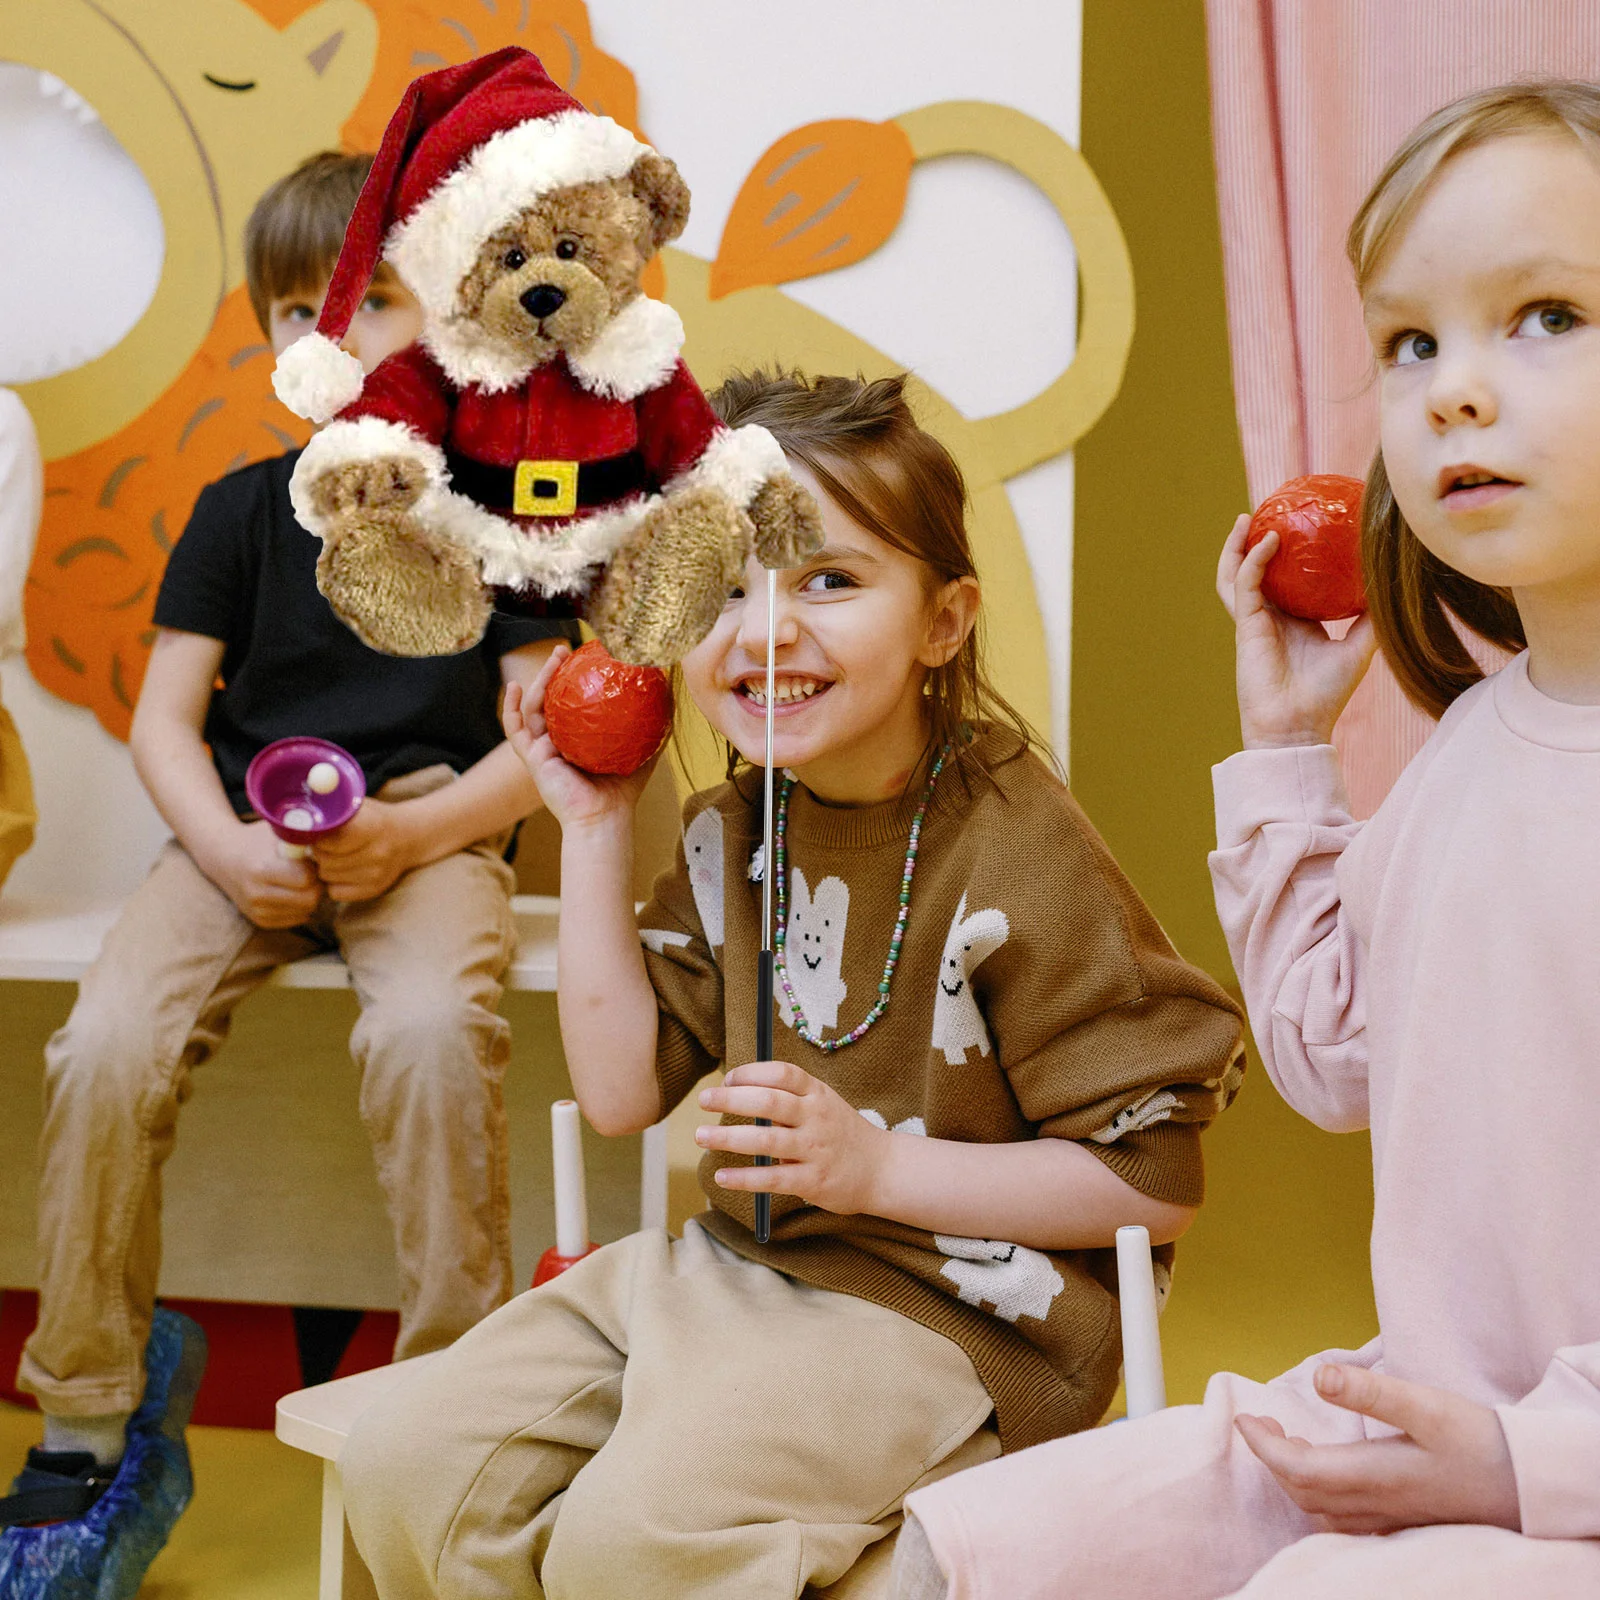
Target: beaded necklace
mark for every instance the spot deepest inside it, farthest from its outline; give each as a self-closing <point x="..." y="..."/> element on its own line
<point x="780" y="933"/>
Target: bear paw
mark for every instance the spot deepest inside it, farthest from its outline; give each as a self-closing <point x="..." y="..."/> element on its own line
<point x="400" y="588"/>
<point x="788" y="523"/>
<point x="380" y="483"/>
<point x="665" y="588"/>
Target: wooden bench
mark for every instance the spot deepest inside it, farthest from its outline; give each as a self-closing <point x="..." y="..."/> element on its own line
<point x="53" y="941"/>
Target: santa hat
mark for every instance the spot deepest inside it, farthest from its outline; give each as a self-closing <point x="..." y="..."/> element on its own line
<point x="468" y="148"/>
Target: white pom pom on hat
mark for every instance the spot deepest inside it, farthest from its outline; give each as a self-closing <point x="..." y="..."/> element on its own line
<point x="316" y="379"/>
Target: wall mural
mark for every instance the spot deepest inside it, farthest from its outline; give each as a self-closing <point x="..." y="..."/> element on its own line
<point x="214" y="99"/>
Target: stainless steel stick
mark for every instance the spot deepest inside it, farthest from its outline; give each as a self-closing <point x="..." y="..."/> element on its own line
<point x="764" y="999"/>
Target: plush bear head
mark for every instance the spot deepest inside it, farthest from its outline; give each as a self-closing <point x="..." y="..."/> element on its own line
<point x="552" y="278"/>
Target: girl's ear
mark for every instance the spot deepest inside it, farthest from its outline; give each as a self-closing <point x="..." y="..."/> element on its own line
<point x="950" y="619"/>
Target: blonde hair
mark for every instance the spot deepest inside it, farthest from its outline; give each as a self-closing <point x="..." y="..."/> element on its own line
<point x="1411" y="594"/>
<point x="889" y="475"/>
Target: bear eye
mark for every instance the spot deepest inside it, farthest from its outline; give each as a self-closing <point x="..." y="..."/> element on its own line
<point x="566" y="249"/>
<point x="514" y="257"/>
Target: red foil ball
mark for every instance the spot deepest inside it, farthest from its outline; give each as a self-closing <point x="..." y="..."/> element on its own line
<point x="605" y="717"/>
<point x="1316" y="572"/>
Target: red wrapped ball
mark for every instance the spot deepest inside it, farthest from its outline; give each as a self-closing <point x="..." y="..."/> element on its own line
<point x="1316" y="571"/>
<point x="605" y="717"/>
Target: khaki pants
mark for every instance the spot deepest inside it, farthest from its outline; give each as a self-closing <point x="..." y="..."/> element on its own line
<point x="426" y="960"/>
<point x="666" y="1419"/>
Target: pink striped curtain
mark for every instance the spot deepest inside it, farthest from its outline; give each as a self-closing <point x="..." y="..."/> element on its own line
<point x="1309" y="99"/>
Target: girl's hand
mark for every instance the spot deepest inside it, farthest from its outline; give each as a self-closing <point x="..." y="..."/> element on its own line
<point x="572" y="797"/>
<point x="828" y="1154"/>
<point x="1450" y="1464"/>
<point x="1293" y="680"/>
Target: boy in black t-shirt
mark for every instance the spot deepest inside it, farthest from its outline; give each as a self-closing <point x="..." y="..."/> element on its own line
<point x="414" y="891"/>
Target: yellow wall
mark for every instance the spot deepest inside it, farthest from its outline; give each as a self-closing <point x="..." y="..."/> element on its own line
<point x="1276" y="1267"/>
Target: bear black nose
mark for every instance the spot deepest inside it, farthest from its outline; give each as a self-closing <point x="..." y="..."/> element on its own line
<point x="543" y="300"/>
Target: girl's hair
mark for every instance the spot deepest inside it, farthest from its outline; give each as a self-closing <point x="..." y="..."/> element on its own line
<point x="1412" y="595"/>
<point x="292" y="237"/>
<point x="889" y="475"/>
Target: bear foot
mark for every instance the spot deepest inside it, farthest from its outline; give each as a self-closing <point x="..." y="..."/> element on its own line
<point x="788" y="523"/>
<point x="665" y="588"/>
<point x="399" y="588"/>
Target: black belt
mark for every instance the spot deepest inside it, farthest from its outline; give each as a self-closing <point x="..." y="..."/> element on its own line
<point x="547" y="488"/>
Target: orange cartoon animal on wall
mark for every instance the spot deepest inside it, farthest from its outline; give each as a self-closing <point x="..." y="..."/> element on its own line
<point x="243" y="91"/>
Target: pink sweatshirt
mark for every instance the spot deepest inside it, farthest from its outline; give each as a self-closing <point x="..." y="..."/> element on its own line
<point x="1434" y="975"/>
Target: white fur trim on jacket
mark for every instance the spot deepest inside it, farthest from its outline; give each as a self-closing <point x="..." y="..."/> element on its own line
<point x="316" y="379"/>
<point x="468" y="362"/>
<point x="434" y="248"/>
<point x="364" y="439"/>
<point x="635" y="352"/>
<point x="556" y="560"/>
<point x="737" y="461"/>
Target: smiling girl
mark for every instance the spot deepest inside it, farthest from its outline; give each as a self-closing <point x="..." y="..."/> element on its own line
<point x="1432" y="975"/>
<point x="994" y="1059"/>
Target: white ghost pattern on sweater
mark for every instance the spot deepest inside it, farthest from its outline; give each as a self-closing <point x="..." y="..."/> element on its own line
<point x="702" y="847"/>
<point x="957" y="1022"/>
<point x="1156" y="1106"/>
<point x="911" y="1125"/>
<point x="813" y="950"/>
<point x="1016" y="1281"/>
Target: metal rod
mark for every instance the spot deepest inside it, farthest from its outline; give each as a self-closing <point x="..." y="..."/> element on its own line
<point x="767" y="807"/>
<point x="764" y="996"/>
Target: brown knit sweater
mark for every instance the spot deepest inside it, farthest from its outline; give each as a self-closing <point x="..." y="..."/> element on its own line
<point x="1035" y="997"/>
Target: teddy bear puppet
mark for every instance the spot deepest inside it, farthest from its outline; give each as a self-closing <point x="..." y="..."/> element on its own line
<point x="543" y="444"/>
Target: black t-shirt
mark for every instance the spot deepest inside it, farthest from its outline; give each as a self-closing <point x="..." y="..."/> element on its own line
<point x="245" y="572"/>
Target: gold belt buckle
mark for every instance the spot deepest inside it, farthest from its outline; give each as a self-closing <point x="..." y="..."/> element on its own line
<point x="545" y="489"/>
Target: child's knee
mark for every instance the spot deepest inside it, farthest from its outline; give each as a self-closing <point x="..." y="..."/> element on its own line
<point x="604" y="1537"/>
<point x="100" y="1059"/>
<point x="427" y="1040"/>
<point x="388" y="1445"/>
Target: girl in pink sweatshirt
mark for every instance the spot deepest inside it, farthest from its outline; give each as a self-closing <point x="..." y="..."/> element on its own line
<point x="1433" y="974"/>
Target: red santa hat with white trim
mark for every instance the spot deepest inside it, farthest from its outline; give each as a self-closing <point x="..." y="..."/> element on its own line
<point x="467" y="149"/>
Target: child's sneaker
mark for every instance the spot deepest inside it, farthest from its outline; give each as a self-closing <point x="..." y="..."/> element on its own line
<point x="103" y="1553"/>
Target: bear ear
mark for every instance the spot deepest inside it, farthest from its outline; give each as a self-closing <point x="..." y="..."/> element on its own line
<point x="657" y="182"/>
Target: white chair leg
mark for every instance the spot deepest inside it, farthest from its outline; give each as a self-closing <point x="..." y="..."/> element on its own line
<point x="1143" y="1375"/>
<point x="653" y="1177"/>
<point x="343" y="1575"/>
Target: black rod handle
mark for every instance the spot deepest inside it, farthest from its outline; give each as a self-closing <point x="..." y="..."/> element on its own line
<point x="764" y="1053"/>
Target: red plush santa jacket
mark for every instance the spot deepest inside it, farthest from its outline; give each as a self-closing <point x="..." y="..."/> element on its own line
<point x="595" y="408"/>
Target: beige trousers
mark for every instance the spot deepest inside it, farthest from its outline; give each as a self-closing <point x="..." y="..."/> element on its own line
<point x="426" y="960"/>
<point x="666" y="1419"/>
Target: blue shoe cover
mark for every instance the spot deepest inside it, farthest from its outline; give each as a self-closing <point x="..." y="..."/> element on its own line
<point x="104" y="1554"/>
